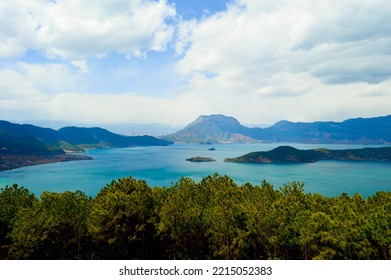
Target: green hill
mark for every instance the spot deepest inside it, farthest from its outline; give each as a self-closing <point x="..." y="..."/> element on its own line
<point x="24" y="144"/>
<point x="30" y="139"/>
<point x="287" y="154"/>
<point x="101" y="138"/>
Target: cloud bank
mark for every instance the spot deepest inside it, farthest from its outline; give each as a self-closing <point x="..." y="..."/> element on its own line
<point x="293" y="58"/>
<point x="259" y="61"/>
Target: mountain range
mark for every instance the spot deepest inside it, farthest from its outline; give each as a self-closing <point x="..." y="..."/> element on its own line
<point x="30" y="139"/>
<point x="224" y="129"/>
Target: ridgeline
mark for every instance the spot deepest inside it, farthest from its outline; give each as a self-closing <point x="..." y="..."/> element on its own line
<point x="224" y="129"/>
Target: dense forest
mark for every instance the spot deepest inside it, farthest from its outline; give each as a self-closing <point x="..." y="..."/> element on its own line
<point x="211" y="219"/>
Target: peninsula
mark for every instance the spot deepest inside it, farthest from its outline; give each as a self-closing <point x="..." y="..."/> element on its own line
<point x="13" y="161"/>
<point x="24" y="144"/>
<point x="288" y="154"/>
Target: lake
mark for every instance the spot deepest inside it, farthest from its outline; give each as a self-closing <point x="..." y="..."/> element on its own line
<point x="162" y="166"/>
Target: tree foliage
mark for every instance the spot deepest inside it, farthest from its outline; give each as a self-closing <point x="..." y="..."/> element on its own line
<point x="212" y="219"/>
<point x="12" y="201"/>
<point x="122" y="220"/>
<point x="55" y="227"/>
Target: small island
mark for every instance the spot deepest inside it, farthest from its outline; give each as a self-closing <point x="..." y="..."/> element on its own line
<point x="200" y="159"/>
<point x="287" y="154"/>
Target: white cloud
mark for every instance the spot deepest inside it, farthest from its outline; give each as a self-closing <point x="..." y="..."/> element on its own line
<point x="299" y="59"/>
<point x="22" y="99"/>
<point x="74" y="29"/>
<point x="285" y="35"/>
<point x="15" y="87"/>
<point x="36" y="91"/>
<point x="48" y="78"/>
<point x="18" y="96"/>
<point x="81" y="65"/>
<point x="17" y="31"/>
<point x="347" y="21"/>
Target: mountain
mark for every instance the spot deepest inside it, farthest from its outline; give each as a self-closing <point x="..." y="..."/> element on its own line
<point x="30" y="139"/>
<point x="27" y="139"/>
<point x="213" y="129"/>
<point x="25" y="145"/>
<point x="101" y="138"/>
<point x="357" y="131"/>
<point x="287" y="154"/>
<point x="221" y="129"/>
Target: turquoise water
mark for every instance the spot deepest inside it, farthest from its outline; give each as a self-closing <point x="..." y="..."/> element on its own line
<point x="162" y="166"/>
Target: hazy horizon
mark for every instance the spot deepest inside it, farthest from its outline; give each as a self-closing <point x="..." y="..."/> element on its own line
<point x="133" y="129"/>
<point x="153" y="129"/>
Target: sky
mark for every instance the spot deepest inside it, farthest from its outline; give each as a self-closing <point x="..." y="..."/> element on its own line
<point x="169" y="61"/>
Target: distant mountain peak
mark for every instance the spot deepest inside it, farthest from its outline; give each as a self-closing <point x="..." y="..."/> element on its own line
<point x="215" y="118"/>
<point x="214" y="128"/>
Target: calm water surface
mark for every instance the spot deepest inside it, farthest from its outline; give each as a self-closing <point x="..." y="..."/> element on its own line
<point x="162" y="166"/>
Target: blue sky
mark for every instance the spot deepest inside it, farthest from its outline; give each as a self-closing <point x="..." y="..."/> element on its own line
<point x="143" y="61"/>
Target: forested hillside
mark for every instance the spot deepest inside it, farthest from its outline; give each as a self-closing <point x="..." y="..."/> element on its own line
<point x="212" y="219"/>
<point x="25" y="145"/>
<point x="30" y="139"/>
<point x="293" y="155"/>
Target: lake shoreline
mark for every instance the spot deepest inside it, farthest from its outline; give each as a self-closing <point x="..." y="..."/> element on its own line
<point x="8" y="162"/>
<point x="161" y="166"/>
